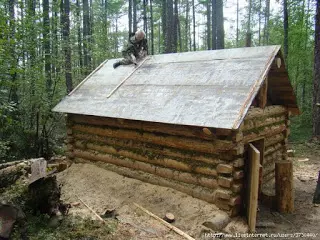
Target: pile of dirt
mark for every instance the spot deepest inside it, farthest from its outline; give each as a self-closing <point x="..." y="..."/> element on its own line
<point x="105" y="190"/>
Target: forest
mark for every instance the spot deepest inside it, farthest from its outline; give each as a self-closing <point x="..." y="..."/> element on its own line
<point x="48" y="47"/>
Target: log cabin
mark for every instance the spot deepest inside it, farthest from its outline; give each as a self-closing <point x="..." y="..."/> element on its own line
<point x="192" y="121"/>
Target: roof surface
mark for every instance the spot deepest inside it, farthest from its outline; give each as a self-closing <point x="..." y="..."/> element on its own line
<point x="204" y="88"/>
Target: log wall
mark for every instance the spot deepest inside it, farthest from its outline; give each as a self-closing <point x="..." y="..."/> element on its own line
<point x="272" y="124"/>
<point x="203" y="162"/>
<point x="206" y="163"/>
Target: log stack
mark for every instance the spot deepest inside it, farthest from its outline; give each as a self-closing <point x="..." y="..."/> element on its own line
<point x="207" y="163"/>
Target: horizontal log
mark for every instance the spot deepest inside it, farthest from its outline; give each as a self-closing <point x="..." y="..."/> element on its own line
<point x="277" y="138"/>
<point x="153" y="149"/>
<point x="238" y="174"/>
<point x="237" y="187"/>
<point x="222" y="204"/>
<point x="234" y="211"/>
<point x="190" y="178"/>
<point x="236" y="200"/>
<point x="265" y="132"/>
<point x="223" y="193"/>
<point x="202" y="193"/>
<point x="238" y="163"/>
<point x="276" y="155"/>
<point x="272" y="149"/>
<point x="224" y="168"/>
<point x="171" y="129"/>
<point x="269" y="177"/>
<point x="214" y="146"/>
<point x="258" y="123"/>
<point x="268" y="169"/>
<point x="255" y="113"/>
<point x="10" y="174"/>
<point x="225" y="182"/>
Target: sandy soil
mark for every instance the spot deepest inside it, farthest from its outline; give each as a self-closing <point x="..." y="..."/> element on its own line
<point x="306" y="217"/>
<point x="105" y="190"/>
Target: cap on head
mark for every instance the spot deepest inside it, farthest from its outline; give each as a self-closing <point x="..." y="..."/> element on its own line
<point x="139" y="35"/>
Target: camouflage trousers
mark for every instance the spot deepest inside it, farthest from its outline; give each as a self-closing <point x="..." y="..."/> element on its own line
<point x="128" y="59"/>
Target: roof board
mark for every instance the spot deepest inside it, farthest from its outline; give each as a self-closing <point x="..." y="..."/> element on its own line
<point x="205" y="88"/>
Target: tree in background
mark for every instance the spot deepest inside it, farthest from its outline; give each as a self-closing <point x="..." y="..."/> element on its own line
<point x="46" y="47"/>
<point x="316" y="79"/>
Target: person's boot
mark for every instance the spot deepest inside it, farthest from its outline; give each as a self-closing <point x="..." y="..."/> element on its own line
<point x="116" y="64"/>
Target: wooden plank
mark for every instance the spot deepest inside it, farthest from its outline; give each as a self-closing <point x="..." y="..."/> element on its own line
<point x="254" y="163"/>
<point x="284" y="186"/>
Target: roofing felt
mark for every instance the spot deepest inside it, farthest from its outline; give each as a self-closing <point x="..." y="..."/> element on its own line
<point x="205" y="88"/>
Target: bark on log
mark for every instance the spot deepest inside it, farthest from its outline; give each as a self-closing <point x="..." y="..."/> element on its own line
<point x="136" y="145"/>
<point x="284" y="186"/>
<point x="273" y="148"/>
<point x="205" y="194"/>
<point x="178" y="130"/>
<point x="164" y="140"/>
<point x="180" y="164"/>
<point x="195" y="179"/>
<point x="255" y="123"/>
<point x="266" y="132"/>
<point x="12" y="173"/>
<point x="278" y="138"/>
<point x="262" y="113"/>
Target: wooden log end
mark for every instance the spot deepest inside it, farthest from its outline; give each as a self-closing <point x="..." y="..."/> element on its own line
<point x="169" y="217"/>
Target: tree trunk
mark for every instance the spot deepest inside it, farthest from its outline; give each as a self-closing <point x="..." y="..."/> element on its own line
<point x="46" y="45"/>
<point x="86" y="22"/>
<point x="66" y="44"/>
<point x="187" y="27"/>
<point x="130" y="16"/>
<point x="78" y="9"/>
<point x="237" y="38"/>
<point x="220" y="25"/>
<point x="151" y="26"/>
<point x="13" y="96"/>
<point x="259" y="22"/>
<point x="134" y="6"/>
<point x="266" y="23"/>
<point x="248" y="34"/>
<point x="285" y="28"/>
<point x="194" y="25"/>
<point x="316" y="80"/>
<point x="169" y="48"/>
<point x="164" y="22"/>
<point x="179" y="33"/>
<point x="145" y="19"/>
<point x="208" y="26"/>
<point x="214" y="24"/>
<point x="175" y="27"/>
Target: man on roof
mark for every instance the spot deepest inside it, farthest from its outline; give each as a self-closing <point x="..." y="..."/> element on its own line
<point x="136" y="49"/>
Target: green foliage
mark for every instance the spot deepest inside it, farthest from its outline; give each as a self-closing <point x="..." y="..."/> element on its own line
<point x="69" y="228"/>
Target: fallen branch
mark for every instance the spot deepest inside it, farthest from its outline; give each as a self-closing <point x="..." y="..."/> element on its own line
<point x="177" y="230"/>
<point x="96" y="214"/>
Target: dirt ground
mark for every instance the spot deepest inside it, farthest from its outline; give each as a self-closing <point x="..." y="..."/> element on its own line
<point x="105" y="190"/>
<point x="304" y="223"/>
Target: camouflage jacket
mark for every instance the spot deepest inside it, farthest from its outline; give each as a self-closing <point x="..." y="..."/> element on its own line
<point x="135" y="47"/>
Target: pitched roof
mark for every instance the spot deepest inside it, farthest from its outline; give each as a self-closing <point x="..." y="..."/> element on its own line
<point x="204" y="88"/>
